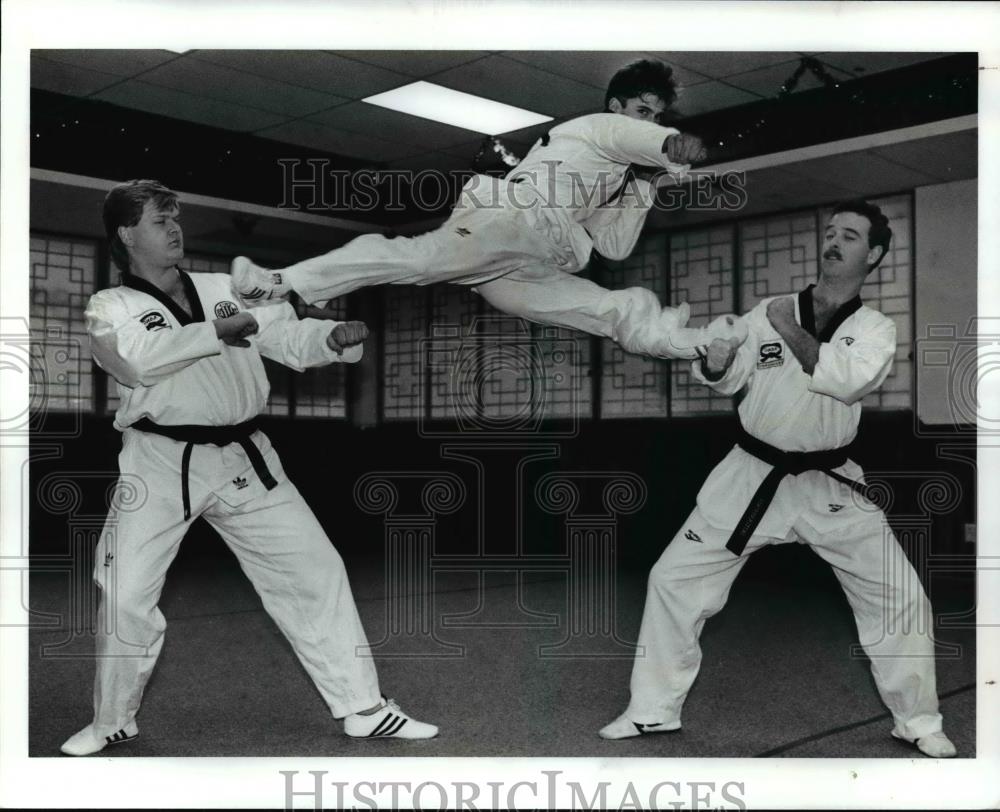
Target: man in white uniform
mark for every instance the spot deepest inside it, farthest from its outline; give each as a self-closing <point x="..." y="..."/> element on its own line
<point x="521" y="241"/>
<point x="187" y="362"/>
<point x="808" y="362"/>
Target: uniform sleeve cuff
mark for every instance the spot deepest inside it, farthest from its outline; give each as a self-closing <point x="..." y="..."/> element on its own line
<point x="700" y="372"/>
<point x="350" y="355"/>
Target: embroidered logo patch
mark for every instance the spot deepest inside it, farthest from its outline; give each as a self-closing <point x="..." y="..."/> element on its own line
<point x="772" y="354"/>
<point x="848" y="340"/>
<point x="154" y="320"/>
<point x="835" y="508"/>
<point x="690" y="535"/>
<point x="240" y="482"/>
<point x="223" y="310"/>
<point x="462" y="232"/>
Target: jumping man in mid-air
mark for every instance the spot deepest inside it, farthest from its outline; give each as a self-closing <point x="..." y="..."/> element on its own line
<point x="521" y="241"/>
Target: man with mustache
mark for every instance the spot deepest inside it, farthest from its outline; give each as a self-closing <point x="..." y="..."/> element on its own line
<point x="807" y="363"/>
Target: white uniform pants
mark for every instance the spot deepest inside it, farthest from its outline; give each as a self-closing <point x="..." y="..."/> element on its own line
<point x="284" y="552"/>
<point x="691" y="582"/>
<point x="505" y="254"/>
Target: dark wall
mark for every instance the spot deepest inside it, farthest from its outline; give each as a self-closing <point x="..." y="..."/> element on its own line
<point x="70" y="479"/>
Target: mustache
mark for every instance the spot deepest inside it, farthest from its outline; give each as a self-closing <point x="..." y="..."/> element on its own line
<point x="832" y="253"/>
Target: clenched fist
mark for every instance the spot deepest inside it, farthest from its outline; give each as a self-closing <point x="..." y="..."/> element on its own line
<point x="346" y="334"/>
<point x="721" y="353"/>
<point x="781" y="312"/>
<point x="235" y="329"/>
<point x="685" y="149"/>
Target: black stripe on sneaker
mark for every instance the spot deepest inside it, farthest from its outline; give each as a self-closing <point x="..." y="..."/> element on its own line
<point x="387" y="720"/>
<point x="395" y="728"/>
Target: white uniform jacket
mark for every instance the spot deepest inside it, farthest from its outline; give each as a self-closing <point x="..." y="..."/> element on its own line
<point x="794" y="411"/>
<point x="170" y="367"/>
<point x="570" y="184"/>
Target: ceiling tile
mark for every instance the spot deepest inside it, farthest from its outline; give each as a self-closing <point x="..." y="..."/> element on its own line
<point x="369" y="119"/>
<point x="174" y="103"/>
<point x="864" y="63"/>
<point x="718" y="64"/>
<point x="439" y="161"/>
<point x="767" y="82"/>
<point x="515" y="83"/>
<point x="414" y="63"/>
<point x="466" y="150"/>
<point x="594" y="68"/>
<point x="72" y="81"/>
<point x="946" y="157"/>
<point x="317" y="135"/>
<point x="684" y="75"/>
<point x="794" y="190"/>
<point x="120" y="62"/>
<point x="863" y="173"/>
<point x="710" y="96"/>
<point x="318" y="70"/>
<point x="193" y="75"/>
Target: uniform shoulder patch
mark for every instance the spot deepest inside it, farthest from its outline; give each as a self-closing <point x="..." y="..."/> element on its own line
<point x="154" y="320"/>
<point x="771" y="354"/>
<point x="223" y="310"/>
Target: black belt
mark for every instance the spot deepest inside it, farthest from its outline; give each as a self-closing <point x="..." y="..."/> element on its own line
<point x="784" y="462"/>
<point x="214" y="435"/>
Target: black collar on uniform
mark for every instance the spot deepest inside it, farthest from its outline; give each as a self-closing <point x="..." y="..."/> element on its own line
<point x="130" y="280"/>
<point x="808" y="316"/>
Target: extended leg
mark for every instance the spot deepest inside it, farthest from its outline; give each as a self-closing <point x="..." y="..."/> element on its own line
<point x="132" y="558"/>
<point x="633" y="317"/>
<point x="894" y="620"/>
<point x="473" y="244"/>
<point x="689" y="584"/>
<point x="303" y="585"/>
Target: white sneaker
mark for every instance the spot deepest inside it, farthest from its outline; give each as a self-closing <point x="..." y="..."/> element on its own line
<point x="689" y="343"/>
<point x="87" y="741"/>
<point x="935" y="745"/>
<point x="625" y="728"/>
<point x="387" y="723"/>
<point x="257" y="286"/>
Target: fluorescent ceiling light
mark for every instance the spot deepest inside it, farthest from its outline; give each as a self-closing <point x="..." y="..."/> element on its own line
<point x="456" y="108"/>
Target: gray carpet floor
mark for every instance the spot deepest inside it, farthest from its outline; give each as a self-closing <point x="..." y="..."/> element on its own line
<point x="777" y="678"/>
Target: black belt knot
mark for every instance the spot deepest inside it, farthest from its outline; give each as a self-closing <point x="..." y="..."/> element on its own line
<point x="214" y="435"/>
<point x="784" y="463"/>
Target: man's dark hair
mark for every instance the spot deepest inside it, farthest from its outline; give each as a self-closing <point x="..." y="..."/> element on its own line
<point x="642" y="77"/>
<point x="123" y="207"/>
<point x="879" y="233"/>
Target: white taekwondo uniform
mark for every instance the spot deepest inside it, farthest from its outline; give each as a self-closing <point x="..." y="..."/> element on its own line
<point x="794" y="412"/>
<point x="519" y="241"/>
<point x="172" y="370"/>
